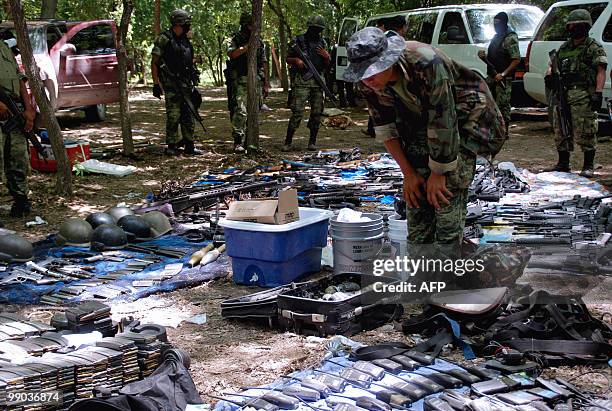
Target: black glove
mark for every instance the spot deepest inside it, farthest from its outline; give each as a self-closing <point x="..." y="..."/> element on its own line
<point x="596" y="101"/>
<point x="157" y="91"/>
<point x="551" y="81"/>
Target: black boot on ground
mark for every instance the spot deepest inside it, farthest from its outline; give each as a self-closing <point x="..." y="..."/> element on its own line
<point x="190" y="149"/>
<point x="21" y="207"/>
<point x="588" y="167"/>
<point x="312" y="141"/>
<point x="288" y="140"/>
<point x="563" y="164"/>
<point x="171" y="150"/>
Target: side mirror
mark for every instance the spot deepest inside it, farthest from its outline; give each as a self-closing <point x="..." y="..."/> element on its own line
<point x="67" y="49"/>
<point x="455" y="35"/>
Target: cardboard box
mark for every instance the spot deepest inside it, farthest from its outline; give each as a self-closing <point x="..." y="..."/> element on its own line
<point x="282" y="210"/>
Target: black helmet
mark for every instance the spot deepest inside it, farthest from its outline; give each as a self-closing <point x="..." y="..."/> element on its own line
<point x="74" y="231"/>
<point x="118" y="212"/>
<point x="14" y="249"/>
<point x="97" y="219"/>
<point x="108" y="237"/>
<point x="136" y="228"/>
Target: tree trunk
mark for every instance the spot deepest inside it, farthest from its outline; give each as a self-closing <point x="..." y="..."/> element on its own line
<point x="252" y="135"/>
<point x="283" y="58"/>
<point x="63" y="183"/>
<point x="157" y="18"/>
<point x="124" y="92"/>
<point x="48" y="9"/>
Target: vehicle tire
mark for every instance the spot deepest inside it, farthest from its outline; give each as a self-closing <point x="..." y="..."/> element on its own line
<point x="95" y="113"/>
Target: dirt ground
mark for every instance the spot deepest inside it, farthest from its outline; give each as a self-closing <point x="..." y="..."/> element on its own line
<point x="227" y="355"/>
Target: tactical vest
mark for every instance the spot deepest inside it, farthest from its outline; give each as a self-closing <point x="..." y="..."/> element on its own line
<point x="9" y="80"/>
<point x="575" y="69"/>
<point x="309" y="47"/>
<point x="178" y="55"/>
<point x="497" y="54"/>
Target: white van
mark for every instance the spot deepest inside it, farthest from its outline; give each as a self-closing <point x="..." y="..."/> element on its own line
<point x="475" y="23"/>
<point x="551" y="33"/>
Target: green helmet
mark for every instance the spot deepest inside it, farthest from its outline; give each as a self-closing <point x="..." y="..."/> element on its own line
<point x="316" y="21"/>
<point x="75" y="232"/>
<point x="15" y="249"/>
<point x="579" y="16"/>
<point x="179" y="16"/>
<point x="246" y="18"/>
<point x="159" y="223"/>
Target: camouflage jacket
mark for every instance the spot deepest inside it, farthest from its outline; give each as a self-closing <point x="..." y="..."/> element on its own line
<point x="239" y="64"/>
<point x="10" y="76"/>
<point x="455" y="104"/>
<point x="578" y="64"/>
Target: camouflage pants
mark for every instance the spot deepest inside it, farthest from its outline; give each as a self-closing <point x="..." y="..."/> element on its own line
<point x="584" y="123"/>
<point x="239" y="117"/>
<point x="502" y="92"/>
<point x="443" y="228"/>
<point x="14" y="161"/>
<point x="177" y="114"/>
<point x="302" y="94"/>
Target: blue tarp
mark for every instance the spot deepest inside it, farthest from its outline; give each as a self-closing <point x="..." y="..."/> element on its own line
<point x="30" y="293"/>
<point x="350" y="391"/>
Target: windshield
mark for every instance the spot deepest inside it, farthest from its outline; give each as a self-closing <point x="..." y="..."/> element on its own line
<point x="553" y="28"/>
<point x="522" y="21"/>
<point x="35" y="34"/>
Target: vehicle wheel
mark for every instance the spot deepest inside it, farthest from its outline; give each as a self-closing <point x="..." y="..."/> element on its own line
<point x="95" y="113"/>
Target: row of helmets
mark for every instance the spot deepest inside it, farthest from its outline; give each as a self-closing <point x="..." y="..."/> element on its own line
<point x="113" y="229"/>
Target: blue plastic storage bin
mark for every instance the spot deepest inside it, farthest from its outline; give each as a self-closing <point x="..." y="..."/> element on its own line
<point x="271" y="255"/>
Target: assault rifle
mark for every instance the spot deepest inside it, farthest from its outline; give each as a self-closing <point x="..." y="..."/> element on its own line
<point x="192" y="101"/>
<point x="312" y="72"/>
<point x="561" y="107"/>
<point x="207" y="198"/>
<point x="17" y="122"/>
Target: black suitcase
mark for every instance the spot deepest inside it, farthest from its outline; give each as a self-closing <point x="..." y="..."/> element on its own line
<point x="261" y="305"/>
<point x="300" y="312"/>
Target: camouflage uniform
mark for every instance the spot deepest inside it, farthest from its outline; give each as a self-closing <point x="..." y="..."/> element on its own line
<point x="304" y="87"/>
<point x="441" y="112"/>
<point x="578" y="66"/>
<point x="503" y="49"/>
<point x="177" y="112"/>
<point x="13" y="146"/>
<point x="237" y="72"/>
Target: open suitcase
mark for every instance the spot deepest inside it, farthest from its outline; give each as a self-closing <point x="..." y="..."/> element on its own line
<point x="301" y="312"/>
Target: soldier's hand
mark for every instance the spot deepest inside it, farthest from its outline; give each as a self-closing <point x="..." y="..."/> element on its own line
<point x="300" y="64"/>
<point x="413" y="186"/>
<point x="323" y="53"/>
<point x="29" y="115"/>
<point x="499" y="78"/>
<point x="4" y="111"/>
<point x="436" y="190"/>
<point x="596" y="101"/>
<point x="482" y="54"/>
<point x="157" y="91"/>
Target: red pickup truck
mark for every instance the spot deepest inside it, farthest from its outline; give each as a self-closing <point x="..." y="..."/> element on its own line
<point x="77" y="63"/>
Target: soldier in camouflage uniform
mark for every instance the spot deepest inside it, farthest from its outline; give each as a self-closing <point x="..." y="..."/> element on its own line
<point x="583" y="65"/>
<point x="305" y="88"/>
<point x="237" y="74"/>
<point x="433" y="115"/>
<point x="504" y="56"/>
<point x="13" y="146"/>
<point x="172" y="59"/>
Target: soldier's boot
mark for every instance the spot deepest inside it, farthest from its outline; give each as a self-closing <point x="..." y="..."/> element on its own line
<point x="171" y="150"/>
<point x="588" y="167"/>
<point x="190" y="149"/>
<point x="238" y="147"/>
<point x="312" y="141"/>
<point x="563" y="164"/>
<point x="288" y="140"/>
<point x="21" y="206"/>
